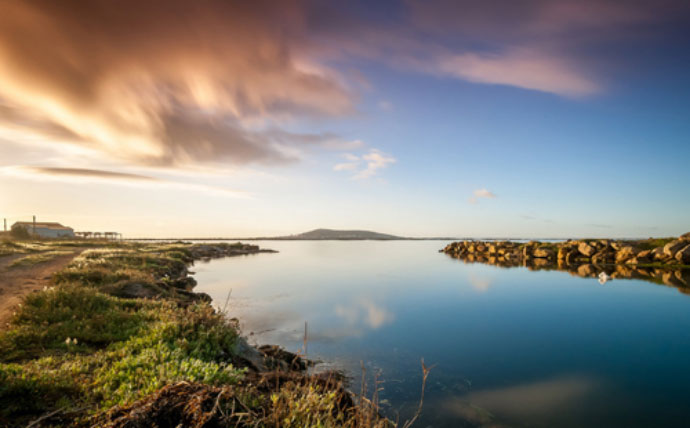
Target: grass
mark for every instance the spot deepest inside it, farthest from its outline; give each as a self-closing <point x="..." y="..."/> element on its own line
<point x="652" y="243"/>
<point x="124" y="350"/>
<point x="34" y="259"/>
<point x="81" y="354"/>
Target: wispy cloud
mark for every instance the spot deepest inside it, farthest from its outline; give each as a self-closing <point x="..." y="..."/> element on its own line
<point x="77" y="176"/>
<point x="479" y="194"/>
<point x="367" y="165"/>
<point x="157" y="95"/>
<point x="528" y="69"/>
<point x="83" y="172"/>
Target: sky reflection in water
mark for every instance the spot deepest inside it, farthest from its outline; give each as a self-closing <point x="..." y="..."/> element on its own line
<point x="512" y="347"/>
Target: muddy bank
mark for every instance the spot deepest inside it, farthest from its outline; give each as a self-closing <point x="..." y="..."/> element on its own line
<point x="663" y="261"/>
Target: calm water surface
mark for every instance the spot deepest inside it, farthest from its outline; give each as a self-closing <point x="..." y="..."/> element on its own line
<point x="511" y="347"/>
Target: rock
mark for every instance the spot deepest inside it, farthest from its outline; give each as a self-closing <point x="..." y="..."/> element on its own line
<point x="672" y="247"/>
<point x="543" y="253"/>
<point x="279" y="358"/>
<point x="249" y="355"/>
<point x="626" y="253"/>
<point x="136" y="290"/>
<point x="658" y="254"/>
<point x="586" y="249"/>
<point x="603" y="257"/>
<point x="683" y="255"/>
<point x="685" y="236"/>
<point x="646" y="254"/>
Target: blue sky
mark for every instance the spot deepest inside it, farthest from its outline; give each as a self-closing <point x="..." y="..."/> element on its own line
<point x="541" y="119"/>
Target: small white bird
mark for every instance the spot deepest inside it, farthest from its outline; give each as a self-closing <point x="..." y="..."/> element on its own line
<point x="604" y="277"/>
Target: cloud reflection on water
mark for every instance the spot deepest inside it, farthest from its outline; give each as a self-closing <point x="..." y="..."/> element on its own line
<point x="365" y="312"/>
<point x="532" y="401"/>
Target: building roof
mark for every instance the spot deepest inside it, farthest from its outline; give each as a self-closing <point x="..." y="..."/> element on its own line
<point x="42" y="225"/>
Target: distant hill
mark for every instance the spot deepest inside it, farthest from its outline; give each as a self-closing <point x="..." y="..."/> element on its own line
<point x="317" y="234"/>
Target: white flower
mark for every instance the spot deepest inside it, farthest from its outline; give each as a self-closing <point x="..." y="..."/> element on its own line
<point x="68" y="341"/>
<point x="74" y="341"/>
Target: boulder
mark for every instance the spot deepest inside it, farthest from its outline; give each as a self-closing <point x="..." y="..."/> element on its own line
<point x="586" y="249"/>
<point x="672" y="247"/>
<point x="658" y="254"/>
<point x="626" y="253"/>
<point x="602" y="257"/>
<point x="683" y="255"/>
<point x="685" y="236"/>
<point x="249" y="355"/>
<point x="543" y="253"/>
<point x="645" y="255"/>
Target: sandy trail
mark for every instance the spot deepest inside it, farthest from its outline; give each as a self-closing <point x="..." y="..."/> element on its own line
<point x="18" y="281"/>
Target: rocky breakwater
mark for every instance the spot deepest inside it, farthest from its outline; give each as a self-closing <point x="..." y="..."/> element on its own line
<point x="665" y="261"/>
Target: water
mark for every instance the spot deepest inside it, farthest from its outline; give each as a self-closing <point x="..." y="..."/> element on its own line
<point x="510" y="347"/>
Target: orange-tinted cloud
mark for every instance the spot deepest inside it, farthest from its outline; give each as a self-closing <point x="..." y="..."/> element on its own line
<point x="170" y="82"/>
<point x="162" y="82"/>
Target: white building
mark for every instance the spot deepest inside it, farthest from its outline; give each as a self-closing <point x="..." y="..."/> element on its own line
<point x="45" y="230"/>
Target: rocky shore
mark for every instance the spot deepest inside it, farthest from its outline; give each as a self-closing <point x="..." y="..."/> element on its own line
<point x="665" y="260"/>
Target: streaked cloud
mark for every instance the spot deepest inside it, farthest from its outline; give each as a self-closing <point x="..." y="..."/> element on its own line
<point x="123" y="77"/>
<point x="78" y="176"/>
<point x="520" y="68"/>
<point x="83" y="172"/>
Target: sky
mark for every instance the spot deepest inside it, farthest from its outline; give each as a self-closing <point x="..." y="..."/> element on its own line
<point x="221" y="118"/>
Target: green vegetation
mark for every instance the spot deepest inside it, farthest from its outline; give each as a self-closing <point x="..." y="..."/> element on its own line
<point x="652" y="243"/>
<point x="37" y="258"/>
<point x="79" y="355"/>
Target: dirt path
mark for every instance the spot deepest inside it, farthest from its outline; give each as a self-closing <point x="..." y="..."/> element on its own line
<point x="15" y="282"/>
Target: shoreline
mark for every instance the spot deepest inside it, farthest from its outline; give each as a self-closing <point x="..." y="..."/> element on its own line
<point x="121" y="338"/>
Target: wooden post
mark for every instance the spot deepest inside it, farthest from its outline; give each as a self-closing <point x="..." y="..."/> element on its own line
<point x="34" y="226"/>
